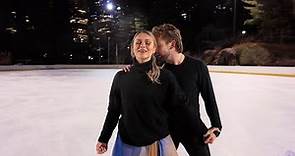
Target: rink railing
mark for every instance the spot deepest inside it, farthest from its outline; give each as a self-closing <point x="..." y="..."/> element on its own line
<point x="249" y="70"/>
<point x="61" y="66"/>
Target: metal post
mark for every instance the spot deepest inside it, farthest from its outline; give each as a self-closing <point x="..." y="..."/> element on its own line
<point x="234" y="18"/>
<point x="117" y="60"/>
<point x="109" y="49"/>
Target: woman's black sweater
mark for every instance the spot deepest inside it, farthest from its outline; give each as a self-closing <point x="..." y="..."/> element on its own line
<point x="142" y="104"/>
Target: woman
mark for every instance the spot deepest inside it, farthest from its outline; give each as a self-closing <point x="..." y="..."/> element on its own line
<point x="143" y="98"/>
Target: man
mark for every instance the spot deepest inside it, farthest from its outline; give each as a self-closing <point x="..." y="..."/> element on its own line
<point x="194" y="79"/>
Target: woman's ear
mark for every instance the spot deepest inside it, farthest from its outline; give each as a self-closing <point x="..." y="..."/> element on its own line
<point x="154" y="51"/>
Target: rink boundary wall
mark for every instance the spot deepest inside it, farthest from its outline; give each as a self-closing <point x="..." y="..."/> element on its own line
<point x="48" y="67"/>
<point x="254" y="73"/>
<point x="249" y="70"/>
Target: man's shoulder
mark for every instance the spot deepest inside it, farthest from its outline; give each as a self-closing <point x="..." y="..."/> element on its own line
<point x="195" y="61"/>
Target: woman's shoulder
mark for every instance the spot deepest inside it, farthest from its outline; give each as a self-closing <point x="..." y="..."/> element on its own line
<point x="119" y="74"/>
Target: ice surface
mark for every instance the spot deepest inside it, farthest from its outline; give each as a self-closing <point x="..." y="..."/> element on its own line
<point x="61" y="112"/>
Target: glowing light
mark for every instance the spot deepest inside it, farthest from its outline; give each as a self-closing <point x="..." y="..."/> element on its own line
<point x="83" y="21"/>
<point x="110" y="6"/>
<point x="90" y="58"/>
<point x="45" y="55"/>
<point x="244" y="32"/>
<point x="118" y="8"/>
<point x="184" y="15"/>
<point x="12" y="30"/>
<point x="82" y="11"/>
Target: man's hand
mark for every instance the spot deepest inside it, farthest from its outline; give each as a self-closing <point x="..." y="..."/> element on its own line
<point x="210" y="136"/>
<point x="127" y="68"/>
<point x="101" y="147"/>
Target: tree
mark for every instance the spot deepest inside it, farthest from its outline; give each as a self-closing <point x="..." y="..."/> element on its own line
<point x="273" y="19"/>
<point x="256" y="12"/>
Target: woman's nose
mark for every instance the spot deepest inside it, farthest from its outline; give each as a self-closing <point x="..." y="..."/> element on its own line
<point x="142" y="45"/>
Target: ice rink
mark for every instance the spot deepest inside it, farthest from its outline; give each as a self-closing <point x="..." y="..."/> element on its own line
<point x="61" y="112"/>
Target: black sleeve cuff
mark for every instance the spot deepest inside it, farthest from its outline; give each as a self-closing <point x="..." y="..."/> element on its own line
<point x="217" y="133"/>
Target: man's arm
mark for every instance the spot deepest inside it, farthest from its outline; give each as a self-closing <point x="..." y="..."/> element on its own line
<point x="208" y="96"/>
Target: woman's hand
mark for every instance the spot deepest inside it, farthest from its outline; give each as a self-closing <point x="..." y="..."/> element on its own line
<point x="101" y="147"/>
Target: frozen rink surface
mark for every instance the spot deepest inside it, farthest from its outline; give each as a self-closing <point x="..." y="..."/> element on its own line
<point x="61" y="112"/>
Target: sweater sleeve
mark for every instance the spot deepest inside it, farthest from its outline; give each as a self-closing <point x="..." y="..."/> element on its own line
<point x="208" y="96"/>
<point x="113" y="114"/>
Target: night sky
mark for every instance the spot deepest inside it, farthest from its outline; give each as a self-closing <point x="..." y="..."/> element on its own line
<point x="34" y="28"/>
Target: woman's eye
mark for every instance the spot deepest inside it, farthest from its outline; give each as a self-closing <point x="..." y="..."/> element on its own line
<point x="148" y="43"/>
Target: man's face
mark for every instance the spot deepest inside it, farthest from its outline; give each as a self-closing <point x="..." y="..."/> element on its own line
<point x="163" y="47"/>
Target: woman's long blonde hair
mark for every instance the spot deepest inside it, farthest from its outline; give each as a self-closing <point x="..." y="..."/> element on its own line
<point x="154" y="72"/>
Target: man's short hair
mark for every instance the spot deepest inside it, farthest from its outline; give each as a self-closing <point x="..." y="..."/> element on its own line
<point x="169" y="32"/>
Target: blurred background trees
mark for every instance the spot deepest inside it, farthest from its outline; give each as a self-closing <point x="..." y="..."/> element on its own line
<point x="99" y="31"/>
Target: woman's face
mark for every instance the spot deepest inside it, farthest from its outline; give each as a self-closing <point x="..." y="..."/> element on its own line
<point x="143" y="47"/>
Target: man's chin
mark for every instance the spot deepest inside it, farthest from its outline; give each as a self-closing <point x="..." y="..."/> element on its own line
<point x="164" y="57"/>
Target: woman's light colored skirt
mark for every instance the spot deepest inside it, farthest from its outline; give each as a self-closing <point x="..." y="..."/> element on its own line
<point x="163" y="147"/>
